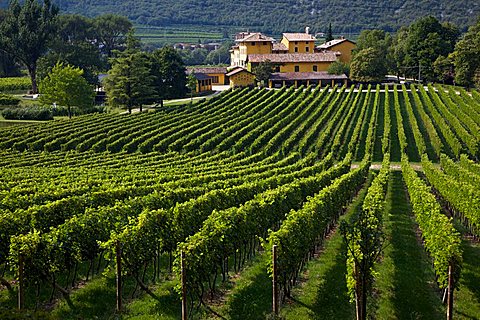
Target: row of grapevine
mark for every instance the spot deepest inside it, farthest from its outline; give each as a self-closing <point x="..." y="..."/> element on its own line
<point x="64" y="245"/>
<point x="427" y="122"/>
<point x="468" y="116"/>
<point x="364" y="239"/>
<point x="470" y="140"/>
<point x="234" y="230"/>
<point x="444" y="128"/>
<point x="419" y="141"/>
<point x="305" y="228"/>
<point x="462" y="197"/>
<point x="340" y="138"/>
<point x="441" y="240"/>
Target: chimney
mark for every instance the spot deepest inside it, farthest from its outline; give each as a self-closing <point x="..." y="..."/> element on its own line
<point x="307" y="30"/>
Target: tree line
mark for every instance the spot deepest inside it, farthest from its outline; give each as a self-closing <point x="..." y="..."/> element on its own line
<point x="426" y="50"/>
<point x="54" y="47"/>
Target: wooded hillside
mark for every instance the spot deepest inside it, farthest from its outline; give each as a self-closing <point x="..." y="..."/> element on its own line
<point x="294" y="14"/>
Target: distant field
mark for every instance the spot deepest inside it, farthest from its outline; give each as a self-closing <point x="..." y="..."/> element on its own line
<point x="171" y="35"/>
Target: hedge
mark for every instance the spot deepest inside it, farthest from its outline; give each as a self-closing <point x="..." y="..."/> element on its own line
<point x="8" y="100"/>
<point x="27" y="113"/>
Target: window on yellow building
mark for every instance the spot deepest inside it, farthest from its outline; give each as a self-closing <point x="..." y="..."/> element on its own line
<point x="307" y="49"/>
<point x="296" y="49"/>
<point x="277" y="68"/>
<point x="214" y="79"/>
<point x="315" y="68"/>
<point x="253" y="43"/>
<point x="264" y="43"/>
<point x="297" y="68"/>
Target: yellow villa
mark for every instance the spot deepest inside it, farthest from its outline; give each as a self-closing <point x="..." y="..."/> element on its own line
<point x="295" y="57"/>
<point x="249" y="43"/>
<point x="299" y="42"/>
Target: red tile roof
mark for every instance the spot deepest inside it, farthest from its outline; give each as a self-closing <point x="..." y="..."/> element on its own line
<point x="253" y="37"/>
<point x="333" y="43"/>
<point x="279" y="47"/>
<point x="298" y="37"/>
<point x="236" y="70"/>
<point x="207" y="70"/>
<point x="327" y="56"/>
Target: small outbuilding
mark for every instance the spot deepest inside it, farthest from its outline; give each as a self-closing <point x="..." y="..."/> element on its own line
<point x="204" y="82"/>
<point x="216" y="73"/>
<point x="240" y="77"/>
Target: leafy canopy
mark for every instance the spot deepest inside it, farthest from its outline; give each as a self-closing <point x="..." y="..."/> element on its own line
<point x="26" y="31"/>
<point x="368" y="66"/>
<point x="466" y="57"/>
<point x="66" y="86"/>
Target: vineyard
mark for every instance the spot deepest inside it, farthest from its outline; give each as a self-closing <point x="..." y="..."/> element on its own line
<point x="124" y="216"/>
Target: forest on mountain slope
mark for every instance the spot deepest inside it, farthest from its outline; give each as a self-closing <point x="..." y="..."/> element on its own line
<point x="276" y="16"/>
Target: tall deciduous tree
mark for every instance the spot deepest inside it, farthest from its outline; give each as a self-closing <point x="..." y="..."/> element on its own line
<point x="339" y="68"/>
<point x="66" y="86"/>
<point x="368" y="66"/>
<point x="111" y="31"/>
<point x="466" y="56"/>
<point x="381" y="42"/>
<point x="26" y="31"/>
<point x="74" y="45"/>
<point x="443" y="68"/>
<point x="423" y="42"/>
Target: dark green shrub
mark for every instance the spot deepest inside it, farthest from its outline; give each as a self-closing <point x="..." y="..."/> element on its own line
<point x="8" y="100"/>
<point x="27" y="113"/>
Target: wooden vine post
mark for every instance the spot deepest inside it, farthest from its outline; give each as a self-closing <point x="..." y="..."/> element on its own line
<point x="184" y="288"/>
<point x="275" y="283"/>
<point x="450" y="292"/>
<point x="21" y="283"/>
<point x="118" y="254"/>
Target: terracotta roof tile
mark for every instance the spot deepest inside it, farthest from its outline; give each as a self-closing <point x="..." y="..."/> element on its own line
<point x="332" y="43"/>
<point x="207" y="70"/>
<point x="327" y="56"/>
<point x="298" y="37"/>
<point x="279" y="47"/>
<point x="254" y="37"/>
<point x="236" y="70"/>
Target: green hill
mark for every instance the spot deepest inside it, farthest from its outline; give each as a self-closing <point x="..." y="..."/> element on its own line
<point x="276" y="16"/>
